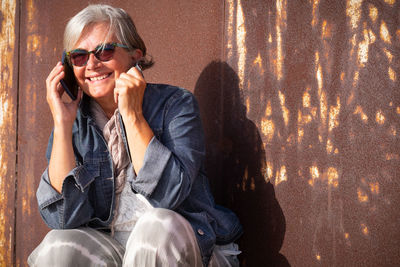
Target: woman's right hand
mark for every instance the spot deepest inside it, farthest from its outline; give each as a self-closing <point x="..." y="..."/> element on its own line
<point x="62" y="159"/>
<point x="64" y="114"/>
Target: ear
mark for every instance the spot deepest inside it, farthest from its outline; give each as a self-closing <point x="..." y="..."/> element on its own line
<point x="137" y="54"/>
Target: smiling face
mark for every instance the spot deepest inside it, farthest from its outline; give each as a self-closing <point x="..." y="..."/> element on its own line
<point x="97" y="78"/>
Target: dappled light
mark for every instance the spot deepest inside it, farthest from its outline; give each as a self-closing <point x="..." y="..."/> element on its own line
<point x="322" y="88"/>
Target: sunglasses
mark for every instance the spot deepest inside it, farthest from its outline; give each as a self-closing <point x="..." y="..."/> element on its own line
<point x="104" y="52"/>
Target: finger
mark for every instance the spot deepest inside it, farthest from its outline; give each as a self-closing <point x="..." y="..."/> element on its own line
<point x="55" y="83"/>
<point x="125" y="80"/>
<point x="116" y="95"/>
<point x="54" y="87"/>
<point x="135" y="73"/>
<point x="54" y="72"/>
<point x="59" y="67"/>
<point x="117" y="74"/>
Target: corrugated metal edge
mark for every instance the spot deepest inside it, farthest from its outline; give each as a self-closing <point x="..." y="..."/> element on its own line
<point x="8" y="110"/>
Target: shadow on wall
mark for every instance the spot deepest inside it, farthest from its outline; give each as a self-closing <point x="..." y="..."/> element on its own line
<point x="235" y="165"/>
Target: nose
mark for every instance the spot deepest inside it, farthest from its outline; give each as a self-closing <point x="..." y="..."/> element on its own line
<point x="92" y="62"/>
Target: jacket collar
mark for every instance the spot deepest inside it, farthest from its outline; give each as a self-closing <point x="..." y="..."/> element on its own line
<point x="84" y="105"/>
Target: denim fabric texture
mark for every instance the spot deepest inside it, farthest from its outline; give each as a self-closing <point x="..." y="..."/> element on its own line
<point x="172" y="175"/>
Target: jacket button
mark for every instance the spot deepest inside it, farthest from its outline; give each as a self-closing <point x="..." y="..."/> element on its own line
<point x="200" y="232"/>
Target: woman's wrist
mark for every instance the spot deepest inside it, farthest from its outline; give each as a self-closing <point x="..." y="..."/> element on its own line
<point x="62" y="130"/>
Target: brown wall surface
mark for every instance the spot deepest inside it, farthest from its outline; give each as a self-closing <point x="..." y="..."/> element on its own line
<point x="301" y="107"/>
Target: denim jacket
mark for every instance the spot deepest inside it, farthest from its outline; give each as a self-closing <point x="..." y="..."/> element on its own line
<point x="172" y="175"/>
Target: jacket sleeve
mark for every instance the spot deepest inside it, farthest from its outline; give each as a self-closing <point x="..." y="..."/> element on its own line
<point x="172" y="163"/>
<point x="72" y="207"/>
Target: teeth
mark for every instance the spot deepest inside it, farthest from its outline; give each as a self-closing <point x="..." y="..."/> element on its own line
<point x="98" y="78"/>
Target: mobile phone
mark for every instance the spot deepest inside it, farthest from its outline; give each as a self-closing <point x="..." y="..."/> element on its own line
<point x="137" y="66"/>
<point x="69" y="81"/>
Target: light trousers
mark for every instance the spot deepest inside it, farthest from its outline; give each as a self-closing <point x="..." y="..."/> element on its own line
<point x="161" y="237"/>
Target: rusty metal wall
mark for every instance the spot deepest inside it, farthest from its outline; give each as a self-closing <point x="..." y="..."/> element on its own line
<point x="312" y="111"/>
<point x="300" y="102"/>
<point x="8" y="126"/>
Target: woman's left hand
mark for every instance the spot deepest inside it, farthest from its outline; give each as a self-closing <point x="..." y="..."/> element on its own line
<point x="128" y="93"/>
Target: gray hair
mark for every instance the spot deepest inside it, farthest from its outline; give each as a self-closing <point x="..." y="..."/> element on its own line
<point x="120" y="24"/>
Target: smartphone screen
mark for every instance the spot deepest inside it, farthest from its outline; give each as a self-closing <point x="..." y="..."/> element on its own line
<point x="69" y="82"/>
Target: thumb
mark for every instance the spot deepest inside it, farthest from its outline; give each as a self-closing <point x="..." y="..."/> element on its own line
<point x="131" y="71"/>
<point x="117" y="74"/>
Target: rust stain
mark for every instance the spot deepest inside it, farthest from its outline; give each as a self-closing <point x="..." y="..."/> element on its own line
<point x="267" y="125"/>
<point x="333" y="177"/>
<point x="315" y="8"/>
<point x="280" y="29"/>
<point x="392" y="74"/>
<point x="34" y="44"/>
<point x="374" y="187"/>
<point x="229" y="45"/>
<point x="326" y="30"/>
<point x="364" y="229"/>
<point x="342" y="76"/>
<point x="380" y="118"/>
<point x="314" y="172"/>
<point x="390" y="2"/>
<point x="300" y="135"/>
<point x="392" y="130"/>
<point x="7" y="125"/>
<point x="334" y="115"/>
<point x="355" y="78"/>
<point x="281" y="175"/>
<point x="392" y="156"/>
<point x="306" y="99"/>
<point x="362" y="196"/>
<point x="269" y="171"/>
<point x="384" y="33"/>
<point x="351" y="97"/>
<point x="329" y="177"/>
<point x="285" y="110"/>
<point x="329" y="146"/>
<point x="268" y="109"/>
<point x="388" y="54"/>
<point x="247" y="105"/>
<point x="323" y="102"/>
<point x="241" y="43"/>
<point x="323" y="107"/>
<point x="373" y="12"/>
<point x="353" y="42"/>
<point x="353" y="10"/>
<point x="360" y="111"/>
<point x="268" y="129"/>
<point x="258" y="62"/>
<point x="290" y="140"/>
<point x="369" y="38"/>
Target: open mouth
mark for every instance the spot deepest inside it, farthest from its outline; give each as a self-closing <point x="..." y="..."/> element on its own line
<point x="99" y="78"/>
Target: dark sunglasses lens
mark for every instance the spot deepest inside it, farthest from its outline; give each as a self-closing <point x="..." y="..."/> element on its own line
<point x="106" y="53"/>
<point x="79" y="58"/>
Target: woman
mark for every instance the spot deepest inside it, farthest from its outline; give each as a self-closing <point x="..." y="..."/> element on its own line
<point x="126" y="161"/>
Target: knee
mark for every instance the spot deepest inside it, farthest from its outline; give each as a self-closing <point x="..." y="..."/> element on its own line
<point x="162" y="237"/>
<point x="160" y="227"/>
<point x="75" y="247"/>
<point x="159" y="223"/>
